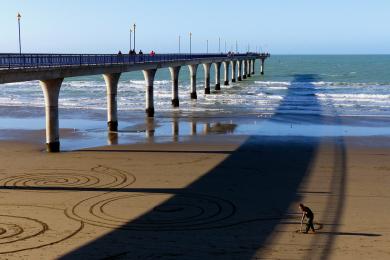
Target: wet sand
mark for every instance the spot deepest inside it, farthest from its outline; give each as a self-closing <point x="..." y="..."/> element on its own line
<point x="211" y="197"/>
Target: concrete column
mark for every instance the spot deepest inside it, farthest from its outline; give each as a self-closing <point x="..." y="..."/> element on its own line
<point x="206" y="68"/>
<point x="149" y="98"/>
<point x="193" y="69"/>
<point x="112" y="87"/>
<point x="248" y="68"/>
<point x="226" y="73"/>
<point x="234" y="73"/>
<point x="244" y="69"/>
<point x="262" y="67"/>
<point x="51" y="91"/>
<point x="217" y="66"/>
<point x="253" y="66"/>
<point x="239" y="70"/>
<point x="175" y="85"/>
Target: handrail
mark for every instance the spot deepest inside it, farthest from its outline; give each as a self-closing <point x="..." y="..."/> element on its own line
<point x="31" y="60"/>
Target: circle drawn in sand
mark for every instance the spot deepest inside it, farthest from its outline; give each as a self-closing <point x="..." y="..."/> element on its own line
<point x="154" y="211"/>
<point x="19" y="232"/>
<point x="50" y="180"/>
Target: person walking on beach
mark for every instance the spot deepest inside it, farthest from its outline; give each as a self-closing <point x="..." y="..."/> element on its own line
<point x="306" y="212"/>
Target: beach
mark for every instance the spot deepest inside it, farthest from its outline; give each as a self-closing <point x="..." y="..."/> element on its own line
<point x="211" y="197"/>
<point x="220" y="177"/>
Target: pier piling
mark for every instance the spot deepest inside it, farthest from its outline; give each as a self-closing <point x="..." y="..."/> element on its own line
<point x="112" y="89"/>
<point x="175" y="85"/>
<point x="149" y="98"/>
<point x="51" y="90"/>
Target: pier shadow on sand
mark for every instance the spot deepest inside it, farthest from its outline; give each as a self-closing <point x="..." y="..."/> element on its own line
<point x="228" y="213"/>
<point x="232" y="210"/>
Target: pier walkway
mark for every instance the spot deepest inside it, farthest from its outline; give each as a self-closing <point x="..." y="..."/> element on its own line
<point x="51" y="69"/>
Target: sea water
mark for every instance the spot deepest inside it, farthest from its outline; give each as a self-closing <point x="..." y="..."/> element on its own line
<point x="314" y="95"/>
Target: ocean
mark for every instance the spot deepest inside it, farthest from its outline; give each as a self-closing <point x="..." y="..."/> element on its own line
<point x="309" y="95"/>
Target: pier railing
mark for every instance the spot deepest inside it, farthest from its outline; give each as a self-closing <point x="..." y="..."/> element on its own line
<point x="20" y="61"/>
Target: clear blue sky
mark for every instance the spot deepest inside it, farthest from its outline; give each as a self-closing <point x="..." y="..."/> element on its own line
<point x="279" y="26"/>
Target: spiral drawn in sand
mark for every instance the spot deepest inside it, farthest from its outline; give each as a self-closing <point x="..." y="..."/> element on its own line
<point x="154" y="211"/>
<point x="28" y="227"/>
<point x="66" y="179"/>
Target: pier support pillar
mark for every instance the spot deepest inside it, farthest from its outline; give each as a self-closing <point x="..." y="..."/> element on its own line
<point x="234" y="73"/>
<point x="112" y="88"/>
<point x="206" y="68"/>
<point x="262" y="67"/>
<point x="253" y="66"/>
<point x="193" y="69"/>
<point x="175" y="85"/>
<point x="239" y="70"/>
<point x="226" y="73"/>
<point x="217" y="75"/>
<point x="149" y="98"/>
<point x="248" y="68"/>
<point x="51" y="91"/>
<point x="244" y="69"/>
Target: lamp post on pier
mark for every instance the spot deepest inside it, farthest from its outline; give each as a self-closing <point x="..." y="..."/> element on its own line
<point x="179" y="44"/>
<point x="134" y="34"/>
<point x="190" y="43"/>
<point x="130" y="38"/>
<point x="219" y="44"/>
<point x="20" y="41"/>
<point x="207" y="46"/>
<point x="225" y="46"/>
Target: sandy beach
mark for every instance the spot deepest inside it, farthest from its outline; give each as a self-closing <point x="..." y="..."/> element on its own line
<point x="212" y="197"/>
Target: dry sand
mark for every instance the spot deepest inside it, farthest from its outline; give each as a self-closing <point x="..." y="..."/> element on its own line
<point x="218" y="197"/>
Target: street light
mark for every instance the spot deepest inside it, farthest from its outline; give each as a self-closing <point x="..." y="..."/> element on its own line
<point x="190" y="42"/>
<point x="179" y="43"/>
<point x="225" y="46"/>
<point x="207" y="46"/>
<point x="236" y="46"/>
<point x="130" y="38"/>
<point x="219" y="44"/>
<point x="20" y="42"/>
<point x="134" y="34"/>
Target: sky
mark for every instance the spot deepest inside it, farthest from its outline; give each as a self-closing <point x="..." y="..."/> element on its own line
<point x="276" y="26"/>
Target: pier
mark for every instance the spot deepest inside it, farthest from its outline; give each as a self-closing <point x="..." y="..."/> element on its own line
<point x="51" y="69"/>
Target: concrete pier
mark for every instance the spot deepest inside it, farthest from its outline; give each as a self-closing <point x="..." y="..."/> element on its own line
<point x="149" y="98"/>
<point x="226" y="73"/>
<point x="175" y="85"/>
<point x="253" y="66"/>
<point x="239" y="70"/>
<point x="112" y="89"/>
<point x="234" y="73"/>
<point x="193" y="68"/>
<point x="51" y="69"/>
<point x="217" y="67"/>
<point x="206" y="68"/>
<point x="51" y="90"/>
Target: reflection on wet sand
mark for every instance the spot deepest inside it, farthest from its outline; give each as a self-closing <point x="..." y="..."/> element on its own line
<point x="174" y="128"/>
